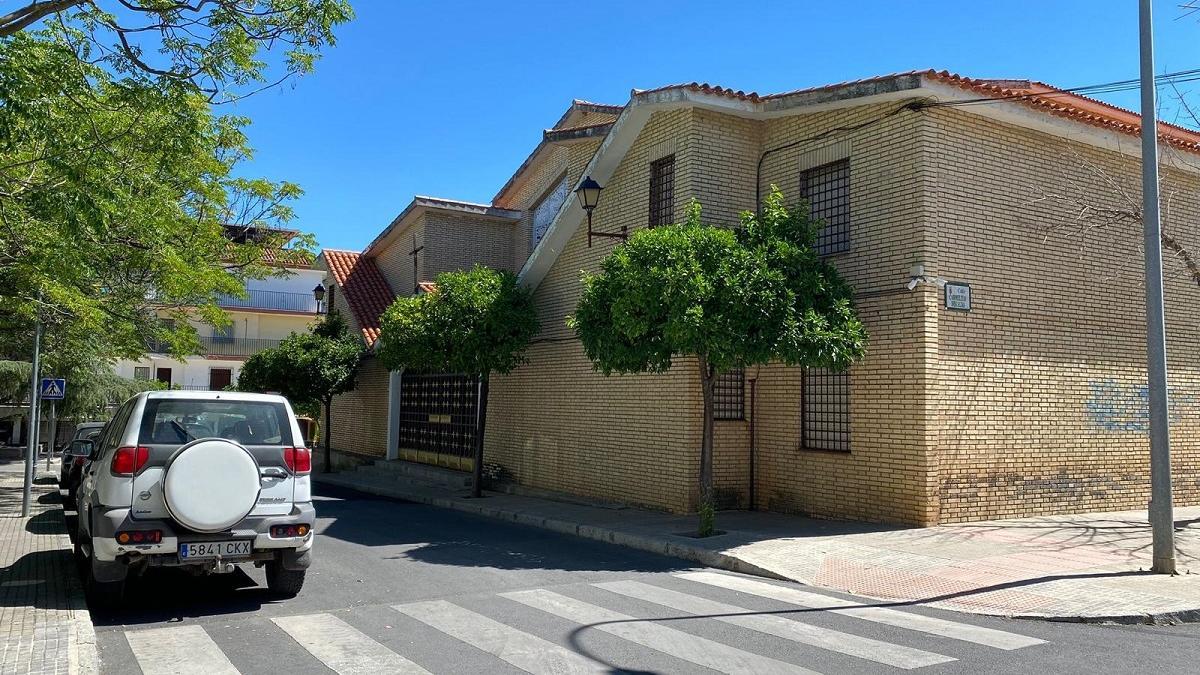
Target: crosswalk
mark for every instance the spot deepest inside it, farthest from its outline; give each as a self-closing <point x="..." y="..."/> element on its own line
<point x="692" y="621"/>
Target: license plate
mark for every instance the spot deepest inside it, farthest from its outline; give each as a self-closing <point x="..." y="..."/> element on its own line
<point x="214" y="549"/>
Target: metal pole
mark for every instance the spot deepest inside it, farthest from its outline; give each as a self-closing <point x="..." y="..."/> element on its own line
<point x="1161" y="512"/>
<point x="31" y="450"/>
<point x="53" y="432"/>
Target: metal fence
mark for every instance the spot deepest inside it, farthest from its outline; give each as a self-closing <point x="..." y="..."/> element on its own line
<point x="277" y="300"/>
<point x="437" y="414"/>
<point x="216" y="345"/>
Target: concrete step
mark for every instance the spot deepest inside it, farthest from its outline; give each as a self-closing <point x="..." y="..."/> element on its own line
<point x="423" y="472"/>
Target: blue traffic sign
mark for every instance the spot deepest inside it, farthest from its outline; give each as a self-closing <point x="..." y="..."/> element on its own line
<point x="53" y="389"/>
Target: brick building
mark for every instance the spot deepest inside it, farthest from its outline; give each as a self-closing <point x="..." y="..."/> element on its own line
<point x="1030" y="402"/>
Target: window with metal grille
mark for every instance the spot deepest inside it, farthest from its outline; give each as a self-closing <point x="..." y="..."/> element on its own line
<point x="662" y="191"/>
<point x="729" y="395"/>
<point x="547" y="208"/>
<point x="825" y="410"/>
<point x="141" y="372"/>
<point x="827" y="189"/>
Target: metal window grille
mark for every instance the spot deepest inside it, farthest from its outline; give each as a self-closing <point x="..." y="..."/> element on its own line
<point x="825" y="410"/>
<point x="827" y="189"/>
<point x="662" y="191"/>
<point x="437" y="413"/>
<point x="729" y="395"/>
<point x="141" y="372"/>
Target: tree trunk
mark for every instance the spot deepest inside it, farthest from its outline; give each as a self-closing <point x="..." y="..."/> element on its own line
<point x="328" y="451"/>
<point x="480" y="425"/>
<point x="707" y="506"/>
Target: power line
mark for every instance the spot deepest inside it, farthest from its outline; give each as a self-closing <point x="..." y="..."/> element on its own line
<point x="1190" y="75"/>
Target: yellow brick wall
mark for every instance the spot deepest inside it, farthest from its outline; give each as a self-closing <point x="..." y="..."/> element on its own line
<point x="460" y="241"/>
<point x="555" y="423"/>
<point x="395" y="260"/>
<point x="359" y="417"/>
<point x="1040" y="395"/>
<point x="886" y="476"/>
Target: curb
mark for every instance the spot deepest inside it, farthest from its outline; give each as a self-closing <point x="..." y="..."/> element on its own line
<point x="716" y="559"/>
<point x="639" y="542"/>
<point x="82" y="655"/>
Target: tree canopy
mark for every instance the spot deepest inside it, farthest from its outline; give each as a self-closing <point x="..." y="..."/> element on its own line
<point x="726" y="299"/>
<point x="308" y="368"/>
<point x="476" y="322"/>
<point x="122" y="197"/>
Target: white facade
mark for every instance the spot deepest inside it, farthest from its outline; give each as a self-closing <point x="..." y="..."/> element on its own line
<point x="274" y="308"/>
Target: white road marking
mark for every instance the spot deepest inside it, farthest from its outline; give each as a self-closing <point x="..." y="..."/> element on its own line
<point x="679" y="644"/>
<point x="178" y="650"/>
<point x="527" y="652"/>
<point x="343" y="648"/>
<point x="886" y="653"/>
<point x="891" y="617"/>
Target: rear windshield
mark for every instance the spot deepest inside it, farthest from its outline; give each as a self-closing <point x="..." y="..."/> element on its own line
<point x="87" y="433"/>
<point x="176" y="421"/>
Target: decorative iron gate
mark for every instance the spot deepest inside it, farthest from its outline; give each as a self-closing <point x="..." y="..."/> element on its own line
<point x="437" y="419"/>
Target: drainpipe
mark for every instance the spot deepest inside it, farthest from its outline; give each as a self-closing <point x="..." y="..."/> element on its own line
<point x="753" y="448"/>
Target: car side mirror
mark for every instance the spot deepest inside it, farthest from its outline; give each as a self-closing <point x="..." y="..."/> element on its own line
<point x="83" y="448"/>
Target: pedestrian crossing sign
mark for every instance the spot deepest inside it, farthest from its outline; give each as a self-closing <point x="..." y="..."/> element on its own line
<point x="53" y="389"/>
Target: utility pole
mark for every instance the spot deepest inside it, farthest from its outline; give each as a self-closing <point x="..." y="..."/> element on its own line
<point x="32" y="440"/>
<point x="1162" y="517"/>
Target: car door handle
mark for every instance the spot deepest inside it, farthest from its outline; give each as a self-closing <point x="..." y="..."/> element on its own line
<point x="273" y="472"/>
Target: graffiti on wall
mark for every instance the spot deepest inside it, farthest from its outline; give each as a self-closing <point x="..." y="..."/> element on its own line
<point x="1122" y="406"/>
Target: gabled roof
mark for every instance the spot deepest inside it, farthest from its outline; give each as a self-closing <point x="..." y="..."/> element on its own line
<point x="363" y="286"/>
<point x="422" y="203"/>
<point x="1002" y="99"/>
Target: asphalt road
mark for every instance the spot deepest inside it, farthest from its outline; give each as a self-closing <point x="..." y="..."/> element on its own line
<point x="401" y="587"/>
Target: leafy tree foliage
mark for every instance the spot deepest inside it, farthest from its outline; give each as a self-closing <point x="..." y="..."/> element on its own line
<point x="477" y="322"/>
<point x="92" y="388"/>
<point x="723" y="298"/>
<point x="120" y="186"/>
<point x="308" y="368"/>
<point x="214" y="46"/>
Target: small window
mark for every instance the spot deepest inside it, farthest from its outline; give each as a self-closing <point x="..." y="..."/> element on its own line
<point x="827" y="189"/>
<point x="662" y="191"/>
<point x="547" y="209"/>
<point x="141" y="372"/>
<point x="223" y="334"/>
<point x="825" y="410"/>
<point x="729" y="395"/>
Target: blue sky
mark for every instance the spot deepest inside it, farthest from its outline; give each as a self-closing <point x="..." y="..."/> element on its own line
<point x="447" y="98"/>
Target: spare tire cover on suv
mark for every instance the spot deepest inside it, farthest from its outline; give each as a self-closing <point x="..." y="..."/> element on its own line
<point x="211" y="484"/>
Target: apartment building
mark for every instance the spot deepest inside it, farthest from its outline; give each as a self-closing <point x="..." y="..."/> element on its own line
<point x="272" y="309"/>
<point x="1005" y="371"/>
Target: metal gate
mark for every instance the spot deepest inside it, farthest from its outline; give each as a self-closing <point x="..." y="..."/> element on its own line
<point x="437" y="419"/>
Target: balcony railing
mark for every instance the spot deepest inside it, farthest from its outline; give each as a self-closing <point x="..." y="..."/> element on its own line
<point x="222" y="346"/>
<point x="275" y="300"/>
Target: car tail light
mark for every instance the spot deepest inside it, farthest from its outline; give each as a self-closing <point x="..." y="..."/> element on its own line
<point x="140" y="537"/>
<point x="284" y="531"/>
<point x="298" y="460"/>
<point x="128" y="461"/>
<point x="80" y="460"/>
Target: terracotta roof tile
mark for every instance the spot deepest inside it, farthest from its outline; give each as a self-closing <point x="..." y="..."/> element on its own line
<point x="364" y="287"/>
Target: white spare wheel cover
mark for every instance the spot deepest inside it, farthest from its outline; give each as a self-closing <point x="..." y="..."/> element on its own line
<point x="211" y="484"/>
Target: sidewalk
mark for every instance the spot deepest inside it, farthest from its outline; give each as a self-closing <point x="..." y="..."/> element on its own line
<point x="1088" y="567"/>
<point x="45" y="626"/>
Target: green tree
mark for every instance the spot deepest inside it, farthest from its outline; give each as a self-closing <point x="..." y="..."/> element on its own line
<point x="308" y="368"/>
<point x="476" y="322"/>
<point x="723" y="298"/>
<point x="121" y="196"/>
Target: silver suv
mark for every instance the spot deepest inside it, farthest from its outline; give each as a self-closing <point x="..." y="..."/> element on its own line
<point x="200" y="480"/>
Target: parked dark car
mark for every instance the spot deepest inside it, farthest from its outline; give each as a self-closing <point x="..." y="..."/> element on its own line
<point x="71" y="471"/>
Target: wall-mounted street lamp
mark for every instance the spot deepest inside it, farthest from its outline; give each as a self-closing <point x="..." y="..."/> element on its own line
<point x="588" y="193"/>
<point x="319" y="296"/>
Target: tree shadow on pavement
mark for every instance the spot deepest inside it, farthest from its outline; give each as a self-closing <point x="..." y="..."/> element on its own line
<point x="36" y="579"/>
<point x="438" y="536"/>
